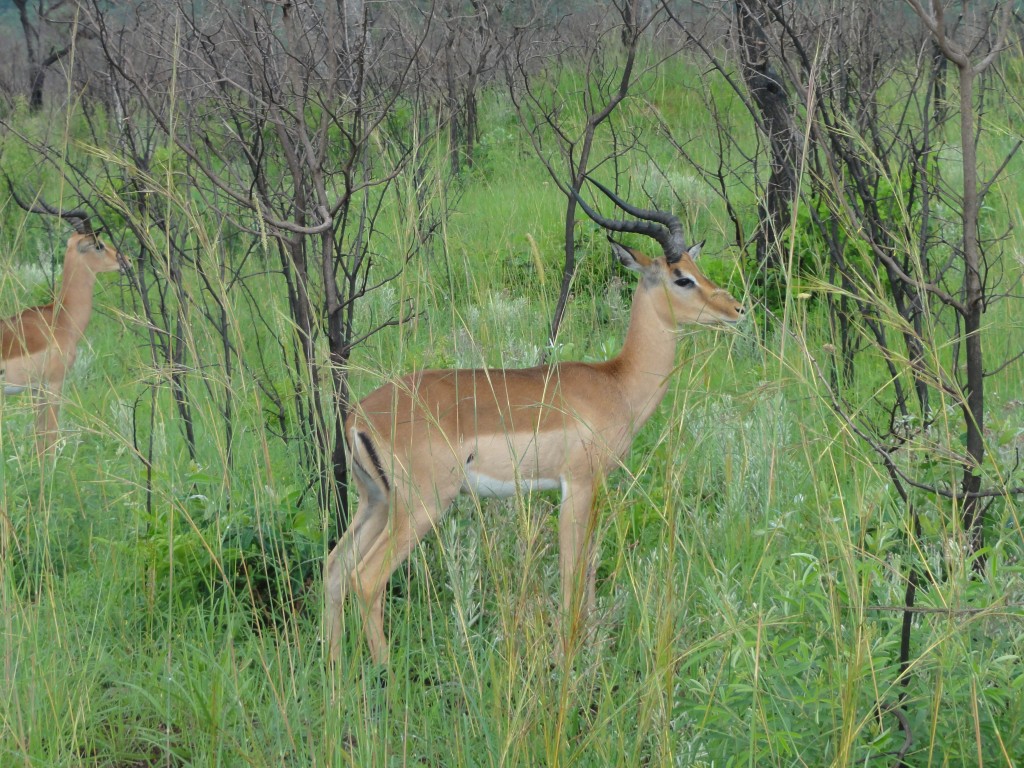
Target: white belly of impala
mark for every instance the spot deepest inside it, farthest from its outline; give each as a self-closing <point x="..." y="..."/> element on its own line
<point x="10" y="389"/>
<point x="480" y="484"/>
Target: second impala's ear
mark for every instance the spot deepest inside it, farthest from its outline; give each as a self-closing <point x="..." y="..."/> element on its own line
<point x="628" y="257"/>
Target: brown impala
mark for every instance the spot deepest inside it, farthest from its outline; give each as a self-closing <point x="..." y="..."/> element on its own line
<point x="419" y="442"/>
<point x="38" y="345"/>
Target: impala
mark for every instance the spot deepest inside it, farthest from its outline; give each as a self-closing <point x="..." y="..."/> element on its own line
<point x="422" y="440"/>
<point x="38" y="345"/>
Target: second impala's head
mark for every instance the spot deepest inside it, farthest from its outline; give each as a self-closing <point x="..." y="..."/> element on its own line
<point x="684" y="294"/>
<point x="86" y="249"/>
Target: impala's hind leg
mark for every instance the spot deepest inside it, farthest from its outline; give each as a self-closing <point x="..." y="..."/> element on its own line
<point x="412" y="519"/>
<point x="370" y="520"/>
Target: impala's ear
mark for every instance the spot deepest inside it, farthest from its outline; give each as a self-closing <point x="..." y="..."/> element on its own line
<point x="629" y="258"/>
<point x="86" y="242"/>
<point x="694" y="252"/>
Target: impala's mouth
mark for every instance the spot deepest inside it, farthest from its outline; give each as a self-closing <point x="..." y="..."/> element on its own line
<point x="714" y="318"/>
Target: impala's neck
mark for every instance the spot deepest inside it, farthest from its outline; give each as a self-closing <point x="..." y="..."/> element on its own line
<point x="647" y="359"/>
<point x="72" y="307"/>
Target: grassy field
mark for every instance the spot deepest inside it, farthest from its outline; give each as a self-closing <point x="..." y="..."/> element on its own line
<point x="752" y="550"/>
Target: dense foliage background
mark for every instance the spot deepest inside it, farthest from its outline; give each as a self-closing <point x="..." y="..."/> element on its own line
<point x="813" y="555"/>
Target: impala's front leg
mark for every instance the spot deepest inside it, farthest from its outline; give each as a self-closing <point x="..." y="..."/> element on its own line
<point x="47" y="411"/>
<point x="576" y="561"/>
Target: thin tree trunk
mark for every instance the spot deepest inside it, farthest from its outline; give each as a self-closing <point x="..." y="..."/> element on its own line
<point x="776" y="122"/>
<point x="974" y="415"/>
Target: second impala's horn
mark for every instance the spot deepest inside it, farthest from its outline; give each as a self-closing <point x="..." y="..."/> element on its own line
<point x="77" y="218"/>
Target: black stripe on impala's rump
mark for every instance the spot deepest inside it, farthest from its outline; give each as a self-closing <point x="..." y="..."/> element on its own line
<point x="375" y="458"/>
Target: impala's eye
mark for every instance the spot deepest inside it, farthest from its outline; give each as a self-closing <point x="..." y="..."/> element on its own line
<point x="685" y="282"/>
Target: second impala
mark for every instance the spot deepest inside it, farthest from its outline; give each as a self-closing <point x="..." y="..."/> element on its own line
<point x="38" y="345"/>
<point x="420" y="441"/>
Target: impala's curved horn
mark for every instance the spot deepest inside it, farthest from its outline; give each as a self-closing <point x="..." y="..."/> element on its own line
<point x="77" y="218"/>
<point x="649" y="228"/>
<point x="663" y="227"/>
<point x="662" y="217"/>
